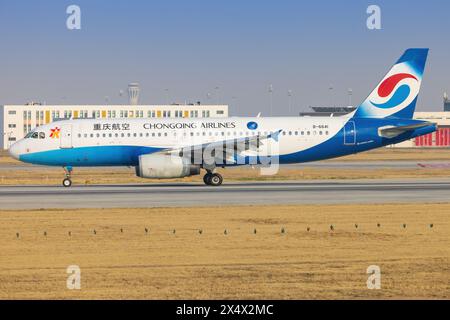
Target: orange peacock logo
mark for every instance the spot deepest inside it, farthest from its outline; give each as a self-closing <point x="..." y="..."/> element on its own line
<point x="54" y="133"/>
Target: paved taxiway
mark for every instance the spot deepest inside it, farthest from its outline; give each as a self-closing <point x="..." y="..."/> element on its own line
<point x="362" y="165"/>
<point x="178" y="195"/>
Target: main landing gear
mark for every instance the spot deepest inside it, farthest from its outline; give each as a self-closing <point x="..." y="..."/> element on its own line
<point x="67" y="182"/>
<point x="213" y="179"/>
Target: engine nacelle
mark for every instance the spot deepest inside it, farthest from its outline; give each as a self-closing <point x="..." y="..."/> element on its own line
<point x="159" y="166"/>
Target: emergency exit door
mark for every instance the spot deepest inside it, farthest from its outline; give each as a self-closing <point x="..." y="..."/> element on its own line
<point x="350" y="133"/>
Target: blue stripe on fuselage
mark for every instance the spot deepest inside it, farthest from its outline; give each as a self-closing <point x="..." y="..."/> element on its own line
<point x="367" y="138"/>
<point x="90" y="156"/>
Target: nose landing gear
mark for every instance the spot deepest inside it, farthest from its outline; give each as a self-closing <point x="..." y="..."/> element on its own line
<point x="213" y="179"/>
<point x="67" y="182"/>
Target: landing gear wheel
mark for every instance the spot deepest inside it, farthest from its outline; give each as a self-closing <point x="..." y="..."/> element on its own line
<point x="215" y="180"/>
<point x="67" y="182"/>
<point x="207" y="179"/>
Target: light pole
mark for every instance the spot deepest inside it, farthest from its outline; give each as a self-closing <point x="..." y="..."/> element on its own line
<point x="121" y="92"/>
<point x="331" y="95"/>
<point x="167" y="96"/>
<point x="234" y="99"/>
<point x="217" y="94"/>
<point x="350" y="94"/>
<point x="271" y="99"/>
<point x="290" y="101"/>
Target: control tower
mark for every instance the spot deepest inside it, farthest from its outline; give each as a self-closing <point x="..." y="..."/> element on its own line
<point x="133" y="93"/>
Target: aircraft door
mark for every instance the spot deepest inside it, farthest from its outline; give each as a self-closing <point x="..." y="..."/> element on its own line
<point x="66" y="136"/>
<point x="349" y="133"/>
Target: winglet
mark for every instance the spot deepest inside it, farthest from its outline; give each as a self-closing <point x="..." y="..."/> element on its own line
<point x="276" y="135"/>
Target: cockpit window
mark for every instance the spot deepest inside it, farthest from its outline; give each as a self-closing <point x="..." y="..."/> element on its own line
<point x="35" y="135"/>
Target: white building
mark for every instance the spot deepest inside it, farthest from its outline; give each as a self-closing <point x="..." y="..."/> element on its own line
<point x="17" y="120"/>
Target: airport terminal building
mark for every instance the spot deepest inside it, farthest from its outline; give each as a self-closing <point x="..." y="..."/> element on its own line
<point x="17" y="120"/>
<point x="438" y="139"/>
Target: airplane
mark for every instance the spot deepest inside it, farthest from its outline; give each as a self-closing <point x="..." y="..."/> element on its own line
<point x="177" y="148"/>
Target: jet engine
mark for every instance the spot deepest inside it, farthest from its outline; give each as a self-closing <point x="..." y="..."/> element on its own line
<point x="160" y="166"/>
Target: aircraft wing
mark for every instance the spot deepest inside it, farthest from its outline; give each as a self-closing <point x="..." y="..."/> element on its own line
<point x="392" y="131"/>
<point x="229" y="147"/>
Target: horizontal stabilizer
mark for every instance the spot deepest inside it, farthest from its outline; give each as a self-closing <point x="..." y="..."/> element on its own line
<point x="392" y="132"/>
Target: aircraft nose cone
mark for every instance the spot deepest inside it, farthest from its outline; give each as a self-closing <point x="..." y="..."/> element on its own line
<point x="14" y="151"/>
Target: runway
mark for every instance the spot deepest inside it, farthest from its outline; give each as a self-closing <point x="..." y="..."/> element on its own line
<point x="189" y="195"/>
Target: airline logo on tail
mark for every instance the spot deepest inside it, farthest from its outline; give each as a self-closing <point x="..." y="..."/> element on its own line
<point x="396" y="90"/>
<point x="397" y="93"/>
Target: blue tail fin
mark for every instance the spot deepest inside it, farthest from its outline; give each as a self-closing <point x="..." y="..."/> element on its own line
<point x="397" y="93"/>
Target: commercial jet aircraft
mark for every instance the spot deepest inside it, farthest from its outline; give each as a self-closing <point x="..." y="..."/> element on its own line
<point x="176" y="148"/>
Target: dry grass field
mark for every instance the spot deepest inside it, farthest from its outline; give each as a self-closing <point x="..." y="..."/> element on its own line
<point x="187" y="254"/>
